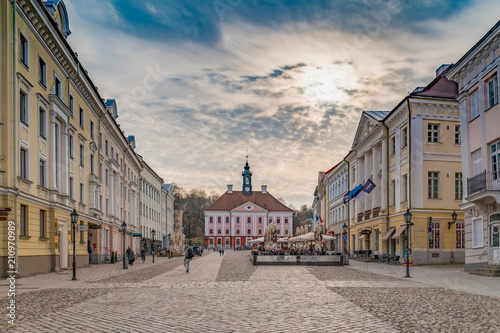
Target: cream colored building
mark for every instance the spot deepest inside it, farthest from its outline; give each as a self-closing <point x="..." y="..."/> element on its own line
<point x="338" y="186"/>
<point x="412" y="155"/>
<point x="477" y="76"/>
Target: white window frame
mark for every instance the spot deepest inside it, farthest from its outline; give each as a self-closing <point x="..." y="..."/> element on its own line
<point x="405" y="187"/>
<point x="495" y="160"/>
<point x="458" y="139"/>
<point x="26" y="54"/>
<point x="474" y="104"/>
<point x="438" y="180"/>
<point x="82" y="118"/>
<point x="476" y="162"/>
<point x="433" y="134"/>
<point x="82" y="155"/>
<point x="44" y="175"/>
<point x="58" y="88"/>
<point x="42" y="122"/>
<point x="492" y="86"/>
<point x="82" y="193"/>
<point x="27" y="163"/>
<point x="71" y="104"/>
<point x="42" y="75"/>
<point x="475" y="230"/>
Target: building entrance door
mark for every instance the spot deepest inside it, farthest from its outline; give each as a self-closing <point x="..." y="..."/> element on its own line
<point x="63" y="243"/>
<point x="495" y="244"/>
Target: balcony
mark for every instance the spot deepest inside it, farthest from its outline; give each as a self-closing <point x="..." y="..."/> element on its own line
<point x="483" y="189"/>
<point x="360" y="216"/>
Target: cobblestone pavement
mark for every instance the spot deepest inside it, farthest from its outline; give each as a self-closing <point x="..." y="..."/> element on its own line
<point x="228" y="294"/>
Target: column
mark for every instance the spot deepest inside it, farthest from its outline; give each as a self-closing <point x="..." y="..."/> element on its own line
<point x="383" y="183"/>
<point x="464" y="143"/>
<point x="357" y="207"/>
<point x="367" y="175"/>
<point x="64" y="190"/>
<point x="53" y="158"/>
<point x="375" y="167"/>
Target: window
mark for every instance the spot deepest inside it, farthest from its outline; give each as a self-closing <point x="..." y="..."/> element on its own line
<point x="477" y="233"/>
<point x="260" y="232"/>
<point x="237" y="219"/>
<point x="249" y="231"/>
<point x="82" y="124"/>
<point x="433" y="185"/>
<point x="107" y="152"/>
<point x="227" y="219"/>
<point x="23" y="50"/>
<point x="58" y="87"/>
<point x="227" y="231"/>
<point x="405" y="137"/>
<point x="23" y="164"/>
<point x="495" y="160"/>
<point x="92" y="129"/>
<point x="71" y="103"/>
<point x="286" y="231"/>
<point x="434" y="240"/>
<point x="270" y="220"/>
<point x="211" y="231"/>
<point x="460" y="233"/>
<point x="71" y="188"/>
<point x="92" y="171"/>
<point x="82" y="155"/>
<point x="393" y="192"/>
<point x="237" y="231"/>
<point x="82" y="193"/>
<point x="476" y="162"/>
<point x="107" y="176"/>
<point x="211" y="219"/>
<point x="23" y="107"/>
<point x="286" y="220"/>
<point x="249" y="219"/>
<point x="474" y="104"/>
<point x="459" y="189"/>
<point x="278" y="220"/>
<point x="81" y="232"/>
<point x="433" y="133"/>
<point x="405" y="187"/>
<point x="42" y="224"/>
<point x="24" y="220"/>
<point x="219" y="231"/>
<point x="43" y="71"/>
<point x="100" y="146"/>
<point x="219" y="219"/>
<point x="71" y="144"/>
<point x="457" y="134"/>
<point x="260" y="219"/>
<point x="42" y="179"/>
<point x="393" y="145"/>
<point x="42" y="115"/>
<point x="492" y="92"/>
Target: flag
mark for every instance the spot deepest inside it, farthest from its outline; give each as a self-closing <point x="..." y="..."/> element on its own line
<point x="346" y="197"/>
<point x="368" y="187"/>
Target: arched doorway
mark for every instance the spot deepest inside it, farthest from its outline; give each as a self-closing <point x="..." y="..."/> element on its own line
<point x="494" y="231"/>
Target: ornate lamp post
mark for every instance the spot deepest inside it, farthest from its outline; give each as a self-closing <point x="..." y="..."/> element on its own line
<point x="74" y="219"/>
<point x="125" y="261"/>
<point x="153" y="250"/>
<point x="344" y="234"/>
<point x="429" y="231"/>
<point x="407" y="216"/>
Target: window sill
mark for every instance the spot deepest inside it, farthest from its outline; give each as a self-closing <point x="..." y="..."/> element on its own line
<point x="474" y="118"/>
<point x="25" y="65"/>
<point x="434" y="143"/>
<point x="458" y="144"/>
<point x="435" y="199"/>
<point x="82" y="242"/>
<point x="43" y="85"/>
<point x="24" y="237"/>
<point x="43" y="238"/>
<point x="491" y="107"/>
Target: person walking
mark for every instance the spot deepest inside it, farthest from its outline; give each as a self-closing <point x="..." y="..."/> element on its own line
<point x="143" y="255"/>
<point x="220" y="252"/>
<point x="187" y="259"/>
<point x="128" y="254"/>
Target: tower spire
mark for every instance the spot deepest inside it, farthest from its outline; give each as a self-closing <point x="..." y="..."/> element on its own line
<point x="247" y="178"/>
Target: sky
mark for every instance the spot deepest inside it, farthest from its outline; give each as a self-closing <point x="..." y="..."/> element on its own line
<point x="201" y="82"/>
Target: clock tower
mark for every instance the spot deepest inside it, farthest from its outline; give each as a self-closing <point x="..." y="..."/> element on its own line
<point x="247" y="180"/>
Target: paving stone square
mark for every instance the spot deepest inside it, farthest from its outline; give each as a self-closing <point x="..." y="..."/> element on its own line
<point x="228" y="294"/>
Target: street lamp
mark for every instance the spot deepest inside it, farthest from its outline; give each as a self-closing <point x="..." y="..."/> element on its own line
<point x="153" y="232"/>
<point x="169" y="253"/>
<point x="429" y="230"/>
<point x="74" y="219"/>
<point x="454" y="218"/>
<point x="344" y="229"/>
<point x="407" y="216"/>
<point x="125" y="261"/>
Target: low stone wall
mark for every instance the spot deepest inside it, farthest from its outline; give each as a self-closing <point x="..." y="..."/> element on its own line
<point x="284" y="260"/>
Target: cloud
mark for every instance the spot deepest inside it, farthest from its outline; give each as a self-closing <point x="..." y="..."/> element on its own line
<point x="287" y="79"/>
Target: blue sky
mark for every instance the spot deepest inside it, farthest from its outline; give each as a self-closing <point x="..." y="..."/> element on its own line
<point x="198" y="82"/>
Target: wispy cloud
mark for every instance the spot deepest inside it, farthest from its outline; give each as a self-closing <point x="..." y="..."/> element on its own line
<point x="287" y="79"/>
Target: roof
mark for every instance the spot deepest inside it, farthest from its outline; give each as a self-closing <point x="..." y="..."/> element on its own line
<point x="440" y="87"/>
<point x="177" y="207"/>
<point x="166" y="186"/>
<point x="377" y="115"/>
<point x="229" y="201"/>
<point x="333" y="168"/>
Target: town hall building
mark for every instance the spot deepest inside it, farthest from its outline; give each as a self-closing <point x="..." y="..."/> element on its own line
<point x="237" y="217"/>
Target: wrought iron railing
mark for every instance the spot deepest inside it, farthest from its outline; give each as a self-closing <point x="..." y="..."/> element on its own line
<point x="485" y="181"/>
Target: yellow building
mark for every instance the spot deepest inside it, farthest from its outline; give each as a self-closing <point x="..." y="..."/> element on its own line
<point x="412" y="155"/>
<point x="50" y="114"/>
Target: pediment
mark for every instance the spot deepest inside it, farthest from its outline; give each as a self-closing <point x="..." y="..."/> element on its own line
<point x="249" y="207"/>
<point x="365" y="126"/>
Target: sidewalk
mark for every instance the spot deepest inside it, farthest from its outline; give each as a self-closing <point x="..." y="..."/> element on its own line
<point x="85" y="276"/>
<point x="441" y="276"/>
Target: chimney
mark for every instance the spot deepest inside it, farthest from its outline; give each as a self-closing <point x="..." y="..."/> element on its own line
<point x="230" y="189"/>
<point x="264" y="189"/>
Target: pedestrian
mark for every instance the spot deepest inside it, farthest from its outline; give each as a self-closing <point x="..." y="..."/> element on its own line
<point x="143" y="255"/>
<point x="187" y="259"/>
<point x="128" y="254"/>
<point x="220" y="252"/>
<point x="131" y="258"/>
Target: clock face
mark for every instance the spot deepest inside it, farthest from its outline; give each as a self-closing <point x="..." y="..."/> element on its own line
<point x="247" y="189"/>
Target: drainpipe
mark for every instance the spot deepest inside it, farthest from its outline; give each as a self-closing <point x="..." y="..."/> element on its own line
<point x="387" y="166"/>
<point x="14" y="119"/>
<point x="409" y="152"/>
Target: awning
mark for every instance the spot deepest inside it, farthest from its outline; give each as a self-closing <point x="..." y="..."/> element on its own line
<point x="363" y="236"/>
<point x="257" y="240"/>
<point x="399" y="232"/>
<point x="388" y="234"/>
<point x="327" y="238"/>
<point x="283" y="240"/>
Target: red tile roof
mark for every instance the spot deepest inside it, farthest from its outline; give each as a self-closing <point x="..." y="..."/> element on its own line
<point x="229" y="201"/>
<point x="440" y="87"/>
